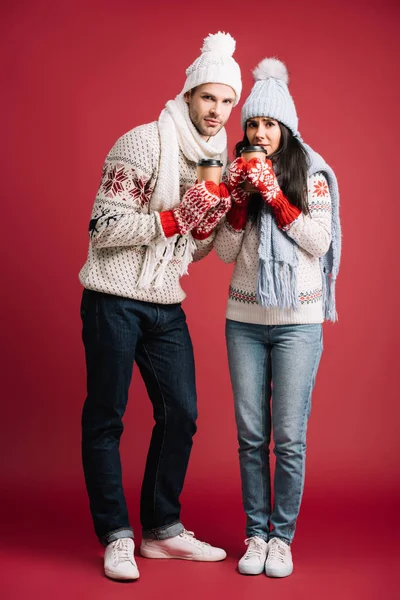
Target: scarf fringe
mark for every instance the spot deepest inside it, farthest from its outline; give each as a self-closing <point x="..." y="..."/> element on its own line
<point x="277" y="285"/>
<point x="328" y="297"/>
<point x="157" y="258"/>
<point x="187" y="257"/>
<point x="266" y="290"/>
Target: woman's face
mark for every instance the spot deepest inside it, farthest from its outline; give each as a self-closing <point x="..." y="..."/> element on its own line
<point x="263" y="131"/>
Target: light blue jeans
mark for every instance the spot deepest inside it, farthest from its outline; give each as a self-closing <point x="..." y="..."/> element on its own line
<point x="278" y="361"/>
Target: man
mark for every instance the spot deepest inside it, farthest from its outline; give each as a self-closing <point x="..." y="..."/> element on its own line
<point x="148" y="220"/>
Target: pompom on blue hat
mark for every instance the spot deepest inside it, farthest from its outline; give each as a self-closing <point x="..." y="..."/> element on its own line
<point x="270" y="96"/>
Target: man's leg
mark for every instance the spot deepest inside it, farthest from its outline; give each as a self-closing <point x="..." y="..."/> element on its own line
<point x="165" y="358"/>
<point x="166" y="362"/>
<point x="110" y="333"/>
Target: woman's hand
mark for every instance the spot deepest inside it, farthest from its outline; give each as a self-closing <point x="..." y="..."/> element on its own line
<point x="236" y="176"/>
<point x="261" y="176"/>
<point x="237" y="173"/>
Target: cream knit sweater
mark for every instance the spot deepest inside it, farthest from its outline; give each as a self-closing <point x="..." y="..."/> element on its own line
<point x="312" y="234"/>
<point x="123" y="222"/>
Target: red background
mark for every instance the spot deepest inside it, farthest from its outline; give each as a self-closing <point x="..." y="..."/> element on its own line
<point x="76" y="77"/>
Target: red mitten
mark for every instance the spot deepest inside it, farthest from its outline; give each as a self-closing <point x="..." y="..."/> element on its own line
<point x="285" y="212"/>
<point x="236" y="173"/>
<point x="237" y="216"/>
<point x="261" y="175"/>
<point x="194" y="205"/>
<point x="239" y="196"/>
<point x="213" y="216"/>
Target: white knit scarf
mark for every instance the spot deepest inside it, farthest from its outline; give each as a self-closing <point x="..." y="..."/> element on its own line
<point x="177" y="132"/>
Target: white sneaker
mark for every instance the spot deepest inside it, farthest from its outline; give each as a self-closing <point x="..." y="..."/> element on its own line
<point x="253" y="561"/>
<point x="279" y="561"/>
<point x="119" y="562"/>
<point x="184" y="546"/>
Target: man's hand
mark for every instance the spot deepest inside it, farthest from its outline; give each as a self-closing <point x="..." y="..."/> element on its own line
<point x="194" y="205"/>
<point x="214" y="215"/>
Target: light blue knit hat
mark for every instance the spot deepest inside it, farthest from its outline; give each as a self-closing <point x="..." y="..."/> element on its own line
<point x="270" y="95"/>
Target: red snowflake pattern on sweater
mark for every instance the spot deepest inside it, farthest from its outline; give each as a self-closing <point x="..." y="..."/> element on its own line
<point x="139" y="191"/>
<point x="114" y="182"/>
<point x="320" y="188"/>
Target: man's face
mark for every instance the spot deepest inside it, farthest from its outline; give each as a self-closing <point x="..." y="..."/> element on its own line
<point x="210" y="105"/>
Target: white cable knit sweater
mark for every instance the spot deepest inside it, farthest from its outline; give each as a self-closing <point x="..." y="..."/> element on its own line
<point x="312" y="234"/>
<point x="124" y="222"/>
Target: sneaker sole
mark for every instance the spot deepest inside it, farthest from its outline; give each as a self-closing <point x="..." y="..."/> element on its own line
<point x="272" y="573"/>
<point x="117" y="577"/>
<point x="159" y="554"/>
<point x="244" y="571"/>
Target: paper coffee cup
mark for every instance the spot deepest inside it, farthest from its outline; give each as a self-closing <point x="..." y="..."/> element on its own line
<point x="247" y="153"/>
<point x="209" y="169"/>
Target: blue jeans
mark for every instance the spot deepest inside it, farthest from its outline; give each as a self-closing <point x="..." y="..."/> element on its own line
<point x="116" y="333"/>
<point x="280" y="362"/>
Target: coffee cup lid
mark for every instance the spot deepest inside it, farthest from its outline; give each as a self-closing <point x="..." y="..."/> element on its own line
<point x="253" y="149"/>
<point x="209" y="162"/>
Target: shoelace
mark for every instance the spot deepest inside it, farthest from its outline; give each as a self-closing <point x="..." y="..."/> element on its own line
<point x="121" y="550"/>
<point x="189" y="535"/>
<point x="255" y="547"/>
<point x="276" y="550"/>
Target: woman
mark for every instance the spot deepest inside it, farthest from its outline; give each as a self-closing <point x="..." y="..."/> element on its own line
<point x="285" y="242"/>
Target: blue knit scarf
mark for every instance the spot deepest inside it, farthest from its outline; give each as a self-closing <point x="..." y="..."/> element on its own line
<point x="277" y="253"/>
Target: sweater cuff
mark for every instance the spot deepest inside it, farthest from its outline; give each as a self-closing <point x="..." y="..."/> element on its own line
<point x="237" y="216"/>
<point x="168" y="223"/>
<point x="285" y="212"/>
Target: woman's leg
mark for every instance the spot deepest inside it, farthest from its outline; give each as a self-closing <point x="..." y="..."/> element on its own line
<point x="296" y="352"/>
<point x="249" y="364"/>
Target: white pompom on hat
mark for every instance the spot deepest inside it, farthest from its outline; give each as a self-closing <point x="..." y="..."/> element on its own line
<point x="215" y="64"/>
<point x="270" y="95"/>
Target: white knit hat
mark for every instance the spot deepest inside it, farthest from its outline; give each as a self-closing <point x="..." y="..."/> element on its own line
<point x="270" y="95"/>
<point x="215" y="64"/>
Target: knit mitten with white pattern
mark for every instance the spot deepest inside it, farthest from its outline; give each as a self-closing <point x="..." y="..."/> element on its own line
<point x="261" y="175"/>
<point x="237" y="173"/>
<point x="214" y="215"/>
<point x="194" y="205"/>
<point x="237" y="216"/>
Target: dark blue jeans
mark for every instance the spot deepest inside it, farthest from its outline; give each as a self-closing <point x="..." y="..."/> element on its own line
<point x="116" y="333"/>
